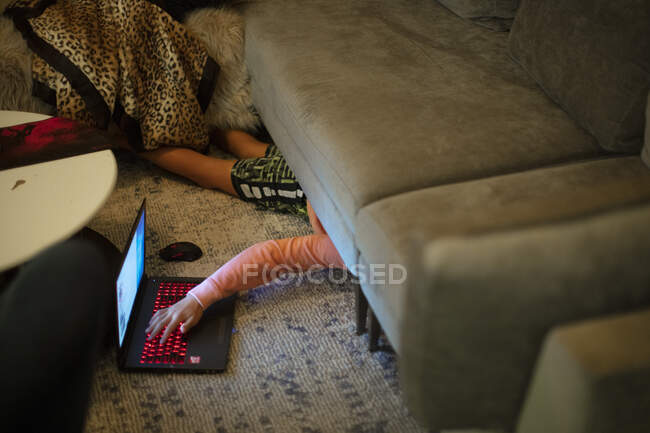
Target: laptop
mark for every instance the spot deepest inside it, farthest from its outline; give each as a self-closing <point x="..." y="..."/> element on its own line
<point x="203" y="349"/>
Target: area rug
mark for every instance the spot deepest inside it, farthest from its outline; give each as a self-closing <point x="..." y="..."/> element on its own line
<point x="295" y="364"/>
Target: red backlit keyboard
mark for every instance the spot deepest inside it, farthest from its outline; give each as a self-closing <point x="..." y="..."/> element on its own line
<point x="175" y="348"/>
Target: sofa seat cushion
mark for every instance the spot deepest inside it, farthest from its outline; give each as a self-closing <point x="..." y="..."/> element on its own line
<point x="389" y="230"/>
<point x="386" y="97"/>
<point x="386" y="228"/>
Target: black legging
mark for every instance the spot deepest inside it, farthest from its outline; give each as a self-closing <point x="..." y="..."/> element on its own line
<point x="52" y="322"/>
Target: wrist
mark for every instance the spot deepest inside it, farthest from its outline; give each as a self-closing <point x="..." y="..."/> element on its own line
<point x="196" y="299"/>
<point x="206" y="293"/>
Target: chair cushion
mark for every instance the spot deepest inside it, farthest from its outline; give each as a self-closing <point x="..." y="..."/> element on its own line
<point x="593" y="58"/>
<point x="493" y="14"/>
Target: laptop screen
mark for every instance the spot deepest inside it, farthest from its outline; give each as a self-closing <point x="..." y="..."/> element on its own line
<point x="130" y="275"/>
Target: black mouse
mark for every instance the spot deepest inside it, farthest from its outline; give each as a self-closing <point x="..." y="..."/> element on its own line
<point x="185" y="251"/>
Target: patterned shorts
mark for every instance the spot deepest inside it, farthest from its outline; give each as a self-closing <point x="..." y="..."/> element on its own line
<point x="269" y="182"/>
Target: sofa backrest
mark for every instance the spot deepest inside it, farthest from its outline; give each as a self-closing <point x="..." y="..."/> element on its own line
<point x="592" y="57"/>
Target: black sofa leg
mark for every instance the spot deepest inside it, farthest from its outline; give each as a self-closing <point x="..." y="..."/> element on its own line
<point x="361" y="309"/>
<point x="374" y="331"/>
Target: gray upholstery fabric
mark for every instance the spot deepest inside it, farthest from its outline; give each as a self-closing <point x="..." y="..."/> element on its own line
<point x="494" y="14"/>
<point x="385" y="297"/>
<point x="592" y="377"/>
<point x="387" y="229"/>
<point x="327" y="211"/>
<point x="369" y="88"/>
<point x="593" y="58"/>
<point x="482" y="306"/>
<point x="645" y="152"/>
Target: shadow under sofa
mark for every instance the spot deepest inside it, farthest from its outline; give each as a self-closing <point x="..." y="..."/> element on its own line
<point x="412" y="129"/>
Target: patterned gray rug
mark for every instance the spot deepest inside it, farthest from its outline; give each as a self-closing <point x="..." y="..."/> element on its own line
<point x="295" y="364"/>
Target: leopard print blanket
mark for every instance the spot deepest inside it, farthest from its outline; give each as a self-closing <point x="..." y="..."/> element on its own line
<point x="121" y="60"/>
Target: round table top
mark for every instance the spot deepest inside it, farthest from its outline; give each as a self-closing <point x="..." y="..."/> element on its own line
<point x="48" y="202"/>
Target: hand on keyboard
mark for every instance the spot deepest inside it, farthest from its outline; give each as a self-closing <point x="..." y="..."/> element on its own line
<point x="186" y="312"/>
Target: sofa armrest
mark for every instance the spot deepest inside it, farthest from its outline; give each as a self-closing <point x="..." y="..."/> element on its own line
<point x="592" y="377"/>
<point x="479" y="308"/>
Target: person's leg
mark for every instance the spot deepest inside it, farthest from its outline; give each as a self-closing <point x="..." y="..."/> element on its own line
<point x="270" y="183"/>
<point x="206" y="171"/>
<point x="52" y="322"/>
<point x="239" y="143"/>
<point x="261" y="175"/>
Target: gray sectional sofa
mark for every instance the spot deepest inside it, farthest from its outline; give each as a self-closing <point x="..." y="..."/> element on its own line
<point x="501" y="169"/>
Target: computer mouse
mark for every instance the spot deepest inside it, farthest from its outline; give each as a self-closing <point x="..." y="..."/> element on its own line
<point x="180" y="251"/>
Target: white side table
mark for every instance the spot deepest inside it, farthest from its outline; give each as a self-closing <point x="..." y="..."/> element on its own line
<point x="44" y="203"/>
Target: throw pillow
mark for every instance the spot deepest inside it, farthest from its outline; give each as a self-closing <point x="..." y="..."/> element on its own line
<point x="592" y="57"/>
<point x="493" y="14"/>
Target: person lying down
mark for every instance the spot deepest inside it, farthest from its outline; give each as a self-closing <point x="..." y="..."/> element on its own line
<point x="133" y="66"/>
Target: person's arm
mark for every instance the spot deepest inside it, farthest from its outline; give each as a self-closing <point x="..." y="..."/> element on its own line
<point x="251" y="268"/>
<point x="314" y="221"/>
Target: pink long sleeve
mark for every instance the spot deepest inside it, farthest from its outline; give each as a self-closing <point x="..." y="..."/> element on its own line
<point x="265" y="261"/>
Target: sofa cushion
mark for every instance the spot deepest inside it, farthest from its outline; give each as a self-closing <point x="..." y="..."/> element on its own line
<point x="480" y="307"/>
<point x="593" y="58"/>
<point x="493" y="14"/>
<point x="386" y="97"/>
<point x="592" y="375"/>
<point x="389" y="230"/>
